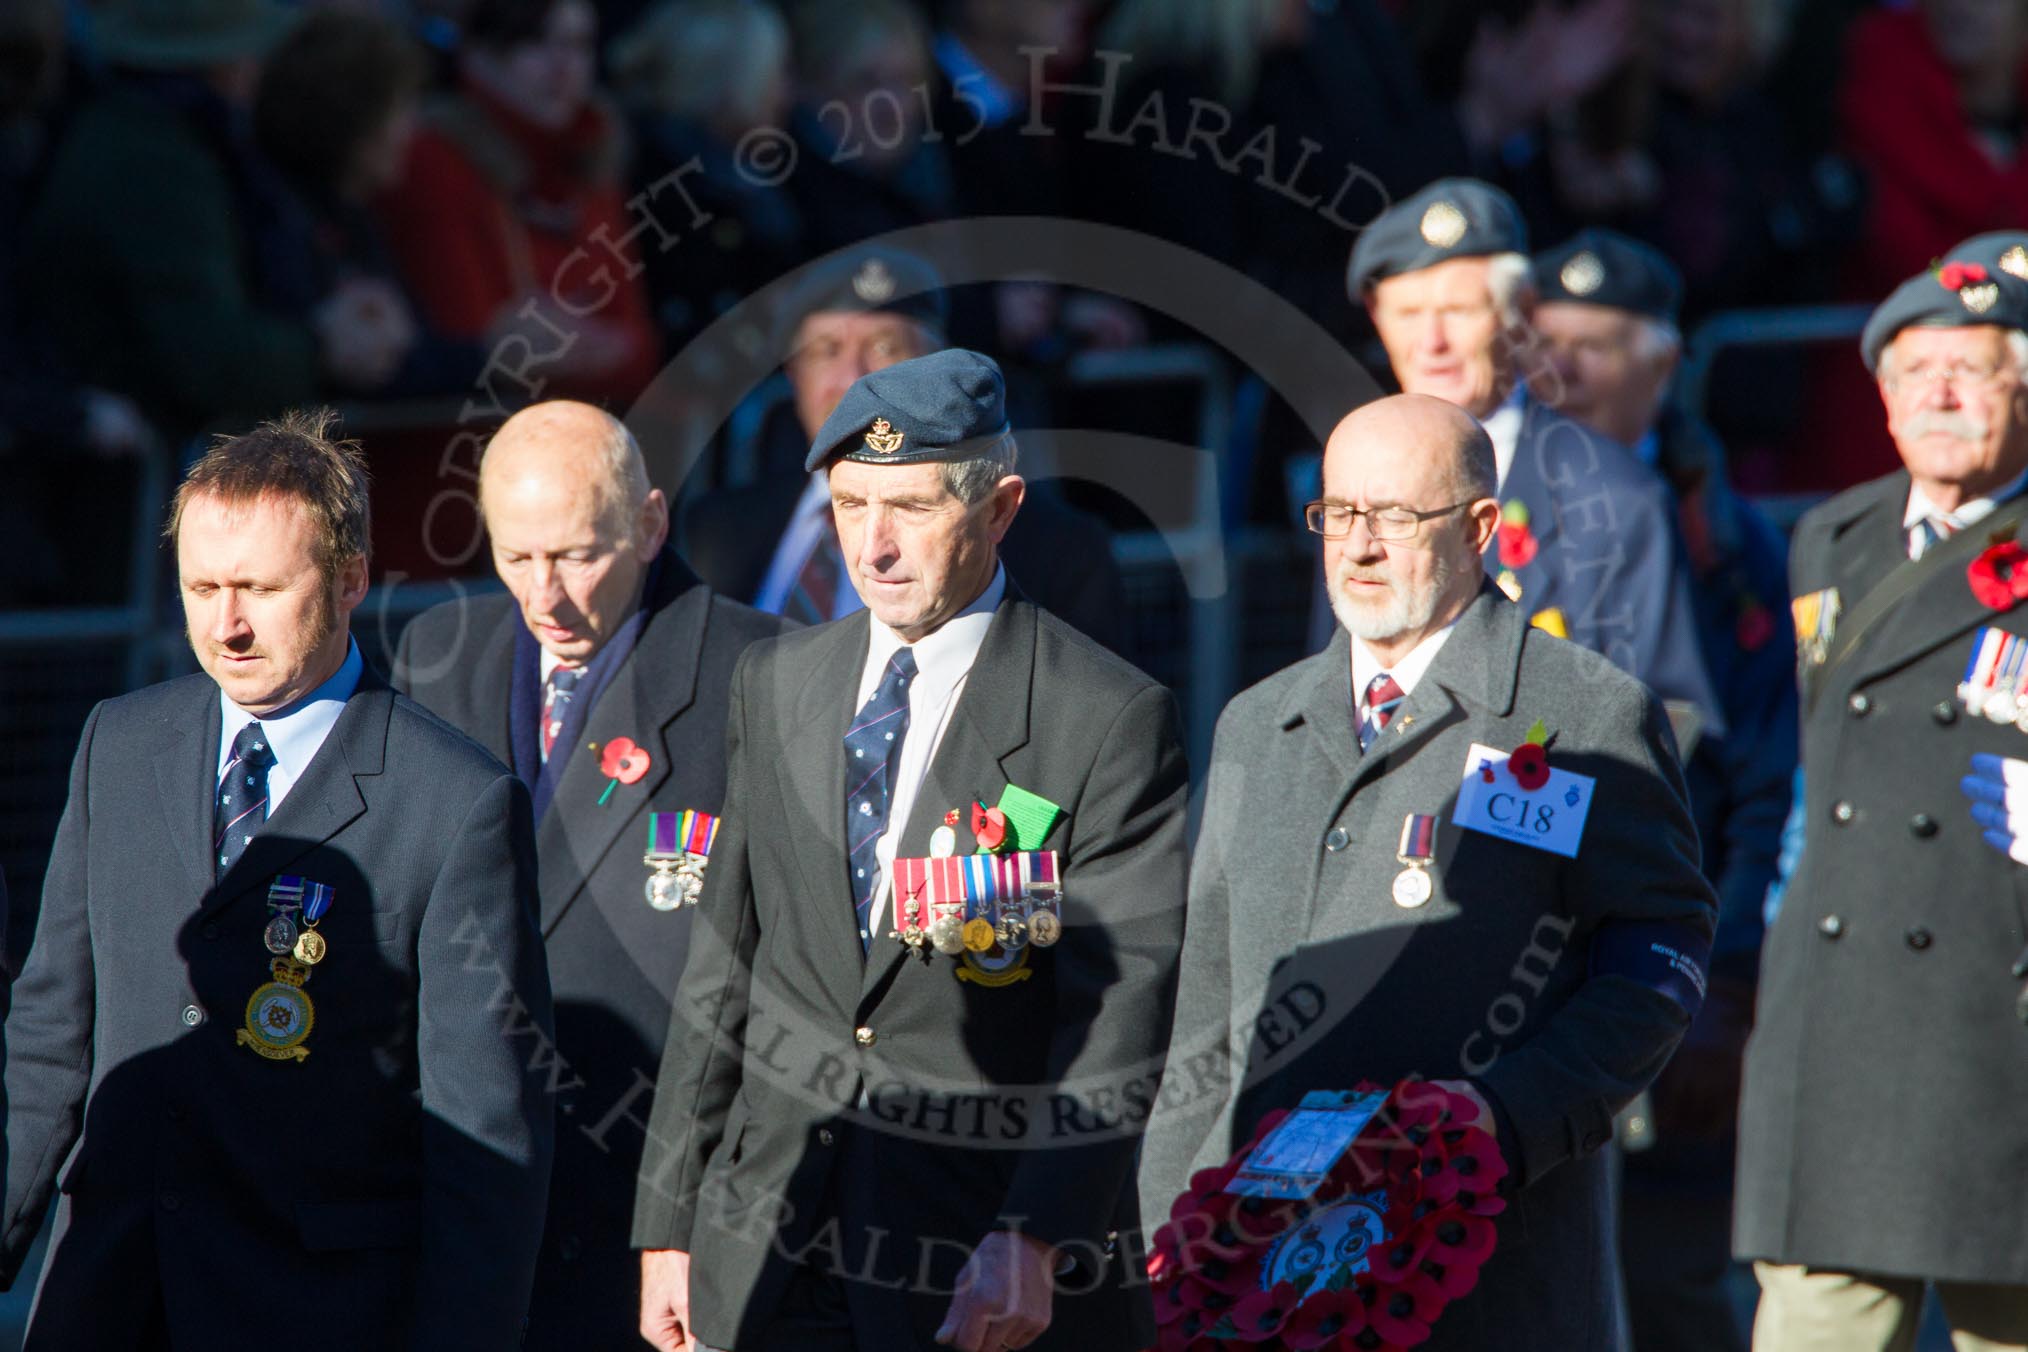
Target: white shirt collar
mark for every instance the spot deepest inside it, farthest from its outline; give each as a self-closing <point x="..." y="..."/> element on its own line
<point x="1503" y="426"/>
<point x="942" y="658"/>
<point x="1920" y="508"/>
<point x="295" y="732"/>
<point x="1407" y="672"/>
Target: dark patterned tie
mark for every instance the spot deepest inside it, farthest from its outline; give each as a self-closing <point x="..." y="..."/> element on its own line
<point x="556" y="696"/>
<point x="242" y="802"/>
<point x="872" y="750"/>
<point x="1383" y="697"/>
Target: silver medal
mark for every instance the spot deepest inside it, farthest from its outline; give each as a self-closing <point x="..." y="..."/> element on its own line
<point x="1411" y="888"/>
<point x="280" y="935"/>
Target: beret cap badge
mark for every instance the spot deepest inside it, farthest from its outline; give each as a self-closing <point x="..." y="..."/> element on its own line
<point x="1583" y="274"/>
<point x="2014" y="262"/>
<point x="882" y="437"/>
<point x="1442" y="225"/>
<point x="1981" y="298"/>
<point x="873" y="283"/>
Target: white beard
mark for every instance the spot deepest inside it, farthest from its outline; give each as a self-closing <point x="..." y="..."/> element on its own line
<point x="1401" y="612"/>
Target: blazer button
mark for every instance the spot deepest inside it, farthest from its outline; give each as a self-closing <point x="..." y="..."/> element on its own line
<point x="1337" y="840"/>
<point x="1945" y="712"/>
<point x="1830" y="927"/>
<point x="192" y="1016"/>
<point x="1860" y="705"/>
<point x="170" y="1201"/>
<point x="863" y="1036"/>
<point x="1842" y="812"/>
<point x="211" y="931"/>
<point x="1922" y="825"/>
<point x="824" y="1136"/>
<point x="1917" y="938"/>
<point x="571" y="1248"/>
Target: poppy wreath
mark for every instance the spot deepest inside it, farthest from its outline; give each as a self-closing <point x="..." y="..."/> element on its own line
<point x="1998" y="576"/>
<point x="1397" y="1231"/>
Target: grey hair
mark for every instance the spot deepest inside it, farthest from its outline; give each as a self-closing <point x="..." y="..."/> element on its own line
<point x="1656" y="339"/>
<point x="972" y="479"/>
<point x="1476" y="474"/>
<point x="625" y="482"/>
<point x="1508" y="279"/>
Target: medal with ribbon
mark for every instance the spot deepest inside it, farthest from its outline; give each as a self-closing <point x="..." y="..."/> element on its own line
<point x="1412" y="885"/>
<point x="279" y="1014"/>
<point x="679" y="846"/>
<point x="985" y="908"/>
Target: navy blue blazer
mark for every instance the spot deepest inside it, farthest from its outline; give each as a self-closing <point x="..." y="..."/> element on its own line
<point x="387" y="1190"/>
<point x="663" y="682"/>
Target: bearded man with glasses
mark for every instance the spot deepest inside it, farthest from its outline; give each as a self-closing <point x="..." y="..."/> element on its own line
<point x="1377" y="893"/>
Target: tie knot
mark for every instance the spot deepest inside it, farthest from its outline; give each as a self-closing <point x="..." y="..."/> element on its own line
<point x="900" y="668"/>
<point x="1382" y="692"/>
<point x="251" y="746"/>
<point x="565" y="677"/>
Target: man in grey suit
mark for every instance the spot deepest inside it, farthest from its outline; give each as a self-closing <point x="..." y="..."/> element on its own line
<point x="894" y="1114"/>
<point x="271" y="1036"/>
<point x="1378" y="895"/>
<point x="604" y="626"/>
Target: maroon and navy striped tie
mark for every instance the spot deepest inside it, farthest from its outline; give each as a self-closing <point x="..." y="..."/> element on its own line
<point x="1383" y="696"/>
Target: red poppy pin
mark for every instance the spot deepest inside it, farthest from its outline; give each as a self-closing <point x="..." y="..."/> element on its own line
<point x="1529" y="762"/>
<point x="1998" y="577"/>
<point x="624" y="763"/>
<point x="1517" y="543"/>
<point x="989" y="827"/>
<point x="1957" y="276"/>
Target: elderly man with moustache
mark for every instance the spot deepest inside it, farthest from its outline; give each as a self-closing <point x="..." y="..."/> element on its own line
<point x="1607" y="309"/>
<point x="1586" y="540"/>
<point x="1366" y="847"/>
<point x="271" y="1039"/>
<point x="895" y="1114"/>
<point x="604" y="640"/>
<point x="1886" y="1082"/>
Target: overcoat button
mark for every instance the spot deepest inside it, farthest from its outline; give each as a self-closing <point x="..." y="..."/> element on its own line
<point x="1842" y="812"/>
<point x="863" y="1036"/>
<point x="1918" y="938"/>
<point x="170" y="1201"/>
<point x="824" y="1136"/>
<point x="1922" y="825"/>
<point x="571" y="1248"/>
<point x="192" y="1016"/>
<point x="1860" y="705"/>
<point x="1337" y="840"/>
<point x="1830" y="927"/>
<point x="1945" y="712"/>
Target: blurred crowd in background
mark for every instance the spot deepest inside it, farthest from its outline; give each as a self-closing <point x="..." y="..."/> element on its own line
<point x="191" y="238"/>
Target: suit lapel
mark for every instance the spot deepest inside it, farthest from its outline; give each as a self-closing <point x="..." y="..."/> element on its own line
<point x="324" y="800"/>
<point x="186" y="777"/>
<point x="988" y="724"/>
<point x="660" y="673"/>
<point x="813" y="783"/>
<point x="1476" y="669"/>
<point x="1941" y="608"/>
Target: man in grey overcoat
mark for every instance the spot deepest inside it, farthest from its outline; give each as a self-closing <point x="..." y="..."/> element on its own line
<point x="1343" y="926"/>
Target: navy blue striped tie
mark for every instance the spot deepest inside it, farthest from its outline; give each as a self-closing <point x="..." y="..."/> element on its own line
<point x="872" y="750"/>
<point x="241" y="805"/>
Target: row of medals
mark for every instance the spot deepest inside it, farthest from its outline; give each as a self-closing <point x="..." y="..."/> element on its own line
<point x="951" y="935"/>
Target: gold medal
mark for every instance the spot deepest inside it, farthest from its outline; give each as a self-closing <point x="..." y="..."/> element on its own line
<point x="279" y="1015"/>
<point x="978" y="935"/>
<point x="310" y="947"/>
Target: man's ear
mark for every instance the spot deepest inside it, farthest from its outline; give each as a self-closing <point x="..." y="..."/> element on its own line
<point x="1005" y="501"/>
<point x="350" y="584"/>
<point x="1484" y="516"/>
<point x="651" y="528"/>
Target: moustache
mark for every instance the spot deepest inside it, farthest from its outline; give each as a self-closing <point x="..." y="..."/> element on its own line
<point x="1962" y="426"/>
